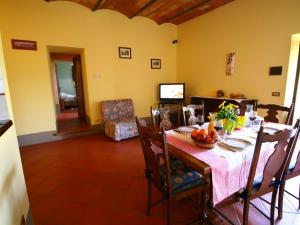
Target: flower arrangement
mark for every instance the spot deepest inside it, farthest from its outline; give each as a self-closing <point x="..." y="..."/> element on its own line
<point x="227" y="112"/>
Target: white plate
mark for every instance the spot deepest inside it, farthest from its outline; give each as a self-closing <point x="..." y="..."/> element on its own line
<point x="234" y="144"/>
<point x="186" y="129"/>
<point x="270" y="130"/>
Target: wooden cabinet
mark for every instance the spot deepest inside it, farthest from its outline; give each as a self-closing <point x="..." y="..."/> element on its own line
<point x="211" y="104"/>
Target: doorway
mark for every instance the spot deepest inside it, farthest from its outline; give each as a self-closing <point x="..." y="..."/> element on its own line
<point x="296" y="94"/>
<point x="292" y="93"/>
<point x="69" y="93"/>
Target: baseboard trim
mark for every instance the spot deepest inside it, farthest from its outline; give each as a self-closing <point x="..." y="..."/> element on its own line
<point x="37" y="138"/>
<point x="57" y="109"/>
<point x="29" y="220"/>
<point x="50" y="136"/>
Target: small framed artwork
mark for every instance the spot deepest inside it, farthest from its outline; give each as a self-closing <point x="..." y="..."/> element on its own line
<point x="124" y="53"/>
<point x="24" y="44"/>
<point x="230" y="63"/>
<point x="155" y="64"/>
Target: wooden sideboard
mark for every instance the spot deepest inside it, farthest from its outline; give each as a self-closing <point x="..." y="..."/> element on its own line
<point x="211" y="104"/>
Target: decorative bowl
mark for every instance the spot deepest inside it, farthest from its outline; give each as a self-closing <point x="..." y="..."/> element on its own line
<point x="206" y="145"/>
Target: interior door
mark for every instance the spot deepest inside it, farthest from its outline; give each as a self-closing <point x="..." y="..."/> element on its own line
<point x="296" y="95"/>
<point x="77" y="74"/>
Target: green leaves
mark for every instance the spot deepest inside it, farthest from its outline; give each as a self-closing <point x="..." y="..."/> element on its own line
<point x="227" y="112"/>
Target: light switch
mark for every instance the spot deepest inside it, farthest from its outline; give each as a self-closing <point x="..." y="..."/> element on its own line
<point x="97" y="76"/>
<point x="276" y="93"/>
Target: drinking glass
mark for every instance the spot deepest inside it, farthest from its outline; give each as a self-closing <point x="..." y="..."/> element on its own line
<point x="248" y="112"/>
<point x="252" y="117"/>
<point x="218" y="124"/>
<point x="222" y="135"/>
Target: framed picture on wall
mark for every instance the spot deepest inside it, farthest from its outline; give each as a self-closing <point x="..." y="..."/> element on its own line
<point x="24" y="44"/>
<point x="124" y="53"/>
<point x="155" y="64"/>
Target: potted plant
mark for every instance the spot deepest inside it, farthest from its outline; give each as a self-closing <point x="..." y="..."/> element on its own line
<point x="228" y="113"/>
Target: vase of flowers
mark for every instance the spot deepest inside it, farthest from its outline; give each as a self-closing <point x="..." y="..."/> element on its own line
<point x="228" y="113"/>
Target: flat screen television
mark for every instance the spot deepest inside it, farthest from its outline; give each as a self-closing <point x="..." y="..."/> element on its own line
<point x="171" y="92"/>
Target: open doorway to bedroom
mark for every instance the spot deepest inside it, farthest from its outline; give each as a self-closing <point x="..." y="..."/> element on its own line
<point x="68" y="93"/>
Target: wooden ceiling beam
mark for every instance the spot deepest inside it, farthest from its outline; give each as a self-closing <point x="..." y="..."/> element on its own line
<point x="186" y="11"/>
<point x="142" y="8"/>
<point x="97" y="5"/>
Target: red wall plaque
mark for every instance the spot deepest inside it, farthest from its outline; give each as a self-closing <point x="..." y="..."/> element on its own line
<point x="24" y="44"/>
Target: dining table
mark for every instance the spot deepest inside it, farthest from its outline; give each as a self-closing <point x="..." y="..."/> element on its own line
<point x="226" y="166"/>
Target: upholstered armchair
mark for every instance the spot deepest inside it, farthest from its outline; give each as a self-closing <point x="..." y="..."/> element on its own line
<point x="119" y="120"/>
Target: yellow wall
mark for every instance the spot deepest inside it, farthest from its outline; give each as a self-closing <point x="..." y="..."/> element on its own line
<point x="258" y="31"/>
<point x="99" y="34"/>
<point x="13" y="195"/>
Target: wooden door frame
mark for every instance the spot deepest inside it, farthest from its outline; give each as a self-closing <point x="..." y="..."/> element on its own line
<point x="79" y="88"/>
<point x="297" y="77"/>
<point x="295" y="92"/>
<point x="64" y="56"/>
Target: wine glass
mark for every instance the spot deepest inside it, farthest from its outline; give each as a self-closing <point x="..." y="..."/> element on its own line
<point x="248" y="112"/>
<point x="252" y="117"/>
<point x="218" y="124"/>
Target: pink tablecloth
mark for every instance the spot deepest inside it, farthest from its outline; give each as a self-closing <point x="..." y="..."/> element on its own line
<point x="229" y="169"/>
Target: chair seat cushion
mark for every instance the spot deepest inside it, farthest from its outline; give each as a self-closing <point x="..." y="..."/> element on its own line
<point x="256" y="185"/>
<point x="121" y="129"/>
<point x="292" y="164"/>
<point x="182" y="177"/>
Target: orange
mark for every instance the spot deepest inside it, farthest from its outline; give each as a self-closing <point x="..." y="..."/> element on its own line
<point x="198" y="138"/>
<point x="209" y="140"/>
<point x="201" y="138"/>
<point x="203" y="132"/>
<point x="213" y="134"/>
<point x="194" y="134"/>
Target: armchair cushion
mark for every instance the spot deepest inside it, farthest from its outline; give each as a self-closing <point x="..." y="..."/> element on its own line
<point x="116" y="110"/>
<point x="121" y="129"/>
<point x="119" y="119"/>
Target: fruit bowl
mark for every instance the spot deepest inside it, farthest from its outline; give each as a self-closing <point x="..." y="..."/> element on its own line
<point x="205" y="139"/>
<point x="205" y="145"/>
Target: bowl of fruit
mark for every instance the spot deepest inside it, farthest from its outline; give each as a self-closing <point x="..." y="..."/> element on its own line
<point x="204" y="138"/>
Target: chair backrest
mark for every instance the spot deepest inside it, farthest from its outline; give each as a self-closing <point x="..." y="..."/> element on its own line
<point x="296" y="167"/>
<point x="275" y="165"/>
<point x="165" y="118"/>
<point x="151" y="141"/>
<point x="114" y="110"/>
<point x="272" y="112"/>
<point x="193" y="113"/>
<point x="140" y="124"/>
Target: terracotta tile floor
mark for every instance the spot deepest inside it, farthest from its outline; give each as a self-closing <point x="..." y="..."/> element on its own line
<point x="94" y="180"/>
<point x="68" y="122"/>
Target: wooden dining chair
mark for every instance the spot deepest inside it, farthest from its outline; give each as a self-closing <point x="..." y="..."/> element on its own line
<point x="192" y="114"/>
<point x="269" y="181"/>
<point x="165" y="118"/>
<point x="292" y="169"/>
<point x="171" y="178"/>
<point x="272" y="112"/>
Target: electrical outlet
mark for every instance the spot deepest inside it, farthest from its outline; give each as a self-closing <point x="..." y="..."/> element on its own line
<point x="276" y="93"/>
